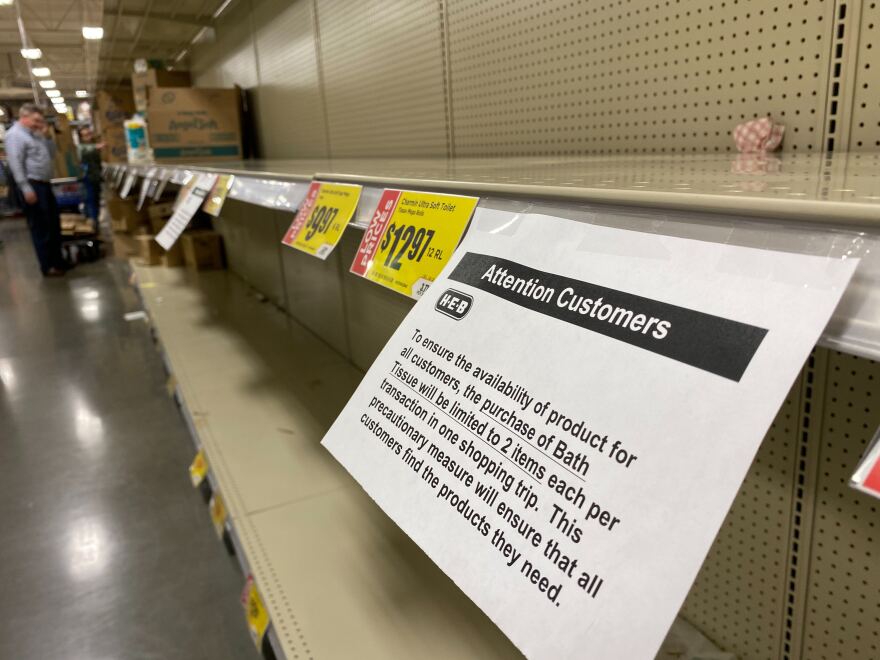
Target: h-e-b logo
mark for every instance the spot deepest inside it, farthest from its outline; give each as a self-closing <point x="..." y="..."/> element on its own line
<point x="454" y="304"/>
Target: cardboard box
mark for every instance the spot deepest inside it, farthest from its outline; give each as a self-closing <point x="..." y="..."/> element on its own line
<point x="69" y="222"/>
<point x="111" y="109"/>
<point x="187" y="123"/>
<point x="202" y="250"/>
<point x="149" y="251"/>
<point x="125" y="246"/>
<point x="124" y="215"/>
<point x="173" y="258"/>
<point x="66" y="161"/>
<point x="141" y="82"/>
<point x="84" y="228"/>
<point x="115" y="150"/>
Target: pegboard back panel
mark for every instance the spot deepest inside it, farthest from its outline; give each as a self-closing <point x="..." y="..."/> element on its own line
<point x="740" y="593"/>
<point x="842" y="614"/>
<point x="289" y="101"/>
<point x="865" y="122"/>
<point x="382" y="65"/>
<point x="572" y="77"/>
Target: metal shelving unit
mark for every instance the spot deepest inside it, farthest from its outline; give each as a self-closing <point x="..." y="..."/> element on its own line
<point x="263" y="381"/>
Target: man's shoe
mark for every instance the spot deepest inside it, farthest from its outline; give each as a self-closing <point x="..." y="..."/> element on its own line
<point x="54" y="272"/>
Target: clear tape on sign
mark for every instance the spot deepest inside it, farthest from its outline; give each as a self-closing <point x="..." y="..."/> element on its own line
<point x="853" y="327"/>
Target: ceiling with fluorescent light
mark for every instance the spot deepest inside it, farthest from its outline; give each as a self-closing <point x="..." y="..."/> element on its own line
<point x="151" y="29"/>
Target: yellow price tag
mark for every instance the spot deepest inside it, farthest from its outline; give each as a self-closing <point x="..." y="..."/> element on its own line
<point x="254" y="611"/>
<point x="323" y="216"/>
<point x="215" y="199"/>
<point x="198" y="469"/>
<point x="218" y="514"/>
<point x="410" y="238"/>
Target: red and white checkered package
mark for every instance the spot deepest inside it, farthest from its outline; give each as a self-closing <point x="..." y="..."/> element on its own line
<point x="758" y="135"/>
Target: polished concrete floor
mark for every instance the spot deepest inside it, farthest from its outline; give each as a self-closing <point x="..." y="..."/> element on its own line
<point x="105" y="550"/>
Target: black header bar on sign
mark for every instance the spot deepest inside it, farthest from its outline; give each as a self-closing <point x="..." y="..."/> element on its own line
<point x="711" y="343"/>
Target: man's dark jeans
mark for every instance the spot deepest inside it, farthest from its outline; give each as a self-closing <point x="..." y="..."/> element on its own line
<point x="45" y="225"/>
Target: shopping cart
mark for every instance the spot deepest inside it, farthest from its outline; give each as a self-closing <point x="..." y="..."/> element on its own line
<point x="68" y="192"/>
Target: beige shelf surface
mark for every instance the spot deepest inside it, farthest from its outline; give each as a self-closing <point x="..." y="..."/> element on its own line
<point x="339" y="578"/>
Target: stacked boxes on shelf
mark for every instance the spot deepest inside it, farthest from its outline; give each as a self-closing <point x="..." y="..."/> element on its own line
<point x="110" y="113"/>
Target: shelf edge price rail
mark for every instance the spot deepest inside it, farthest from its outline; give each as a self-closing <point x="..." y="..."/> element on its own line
<point x="411" y="237"/>
<point x="322" y="218"/>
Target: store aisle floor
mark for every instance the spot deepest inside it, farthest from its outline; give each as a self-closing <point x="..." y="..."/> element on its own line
<point x="106" y="551"/>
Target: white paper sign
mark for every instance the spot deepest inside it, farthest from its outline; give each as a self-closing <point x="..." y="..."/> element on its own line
<point x="148" y="181"/>
<point x="161" y="183"/>
<point x="565" y="417"/>
<point x="128" y="184"/>
<point x="186" y="210"/>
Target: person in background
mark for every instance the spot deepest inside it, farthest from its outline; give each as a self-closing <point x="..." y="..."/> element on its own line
<point x="90" y="160"/>
<point x="29" y="152"/>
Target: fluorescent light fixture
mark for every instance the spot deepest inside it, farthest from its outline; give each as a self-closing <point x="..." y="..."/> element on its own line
<point x="41" y="71"/>
<point x="59" y="101"/>
<point x="47" y="84"/>
<point x="31" y="53"/>
<point x="81" y="93"/>
<point x="216" y="14"/>
<point x="6" y="3"/>
<point x="93" y="32"/>
<point x="181" y="55"/>
<point x="52" y="93"/>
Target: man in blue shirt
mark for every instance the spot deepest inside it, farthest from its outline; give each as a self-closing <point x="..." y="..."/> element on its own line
<point x="30" y="154"/>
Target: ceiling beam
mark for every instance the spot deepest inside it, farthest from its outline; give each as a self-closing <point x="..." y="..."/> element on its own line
<point x="183" y="19"/>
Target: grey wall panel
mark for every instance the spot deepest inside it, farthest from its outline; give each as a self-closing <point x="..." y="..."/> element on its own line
<point x="263" y="269"/>
<point x="288" y="101"/>
<point x="235" y="235"/>
<point x="561" y="77"/>
<point x="842" y="613"/>
<point x="314" y="295"/>
<point x="372" y="311"/>
<point x="383" y="70"/>
<point x="230" y="60"/>
<point x="741" y="590"/>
